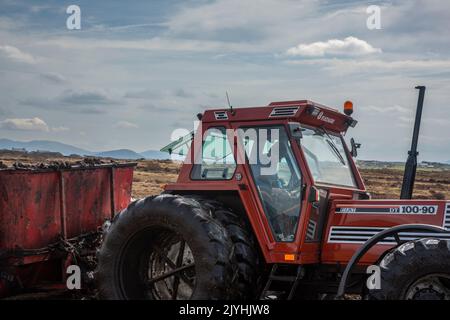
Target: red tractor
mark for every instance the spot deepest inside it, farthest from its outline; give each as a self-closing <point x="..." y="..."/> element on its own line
<point x="270" y="204"/>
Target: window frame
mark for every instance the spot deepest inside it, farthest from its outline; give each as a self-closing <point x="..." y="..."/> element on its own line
<point x="355" y="185"/>
<point x="301" y="179"/>
<point x="195" y="166"/>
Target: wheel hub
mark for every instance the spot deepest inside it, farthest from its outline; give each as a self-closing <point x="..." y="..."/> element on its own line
<point x="431" y="287"/>
<point x="171" y="271"/>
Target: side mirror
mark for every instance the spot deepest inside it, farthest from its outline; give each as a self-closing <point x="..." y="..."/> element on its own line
<point x="296" y="130"/>
<point x="355" y="147"/>
<point x="314" y="197"/>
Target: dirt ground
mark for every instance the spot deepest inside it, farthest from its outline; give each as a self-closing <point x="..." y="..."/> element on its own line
<point x="386" y="183"/>
<point x="151" y="175"/>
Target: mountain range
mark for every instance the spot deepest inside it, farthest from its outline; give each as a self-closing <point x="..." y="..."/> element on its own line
<point x="67" y="150"/>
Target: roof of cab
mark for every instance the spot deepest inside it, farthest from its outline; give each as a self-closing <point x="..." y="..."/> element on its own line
<point x="303" y="111"/>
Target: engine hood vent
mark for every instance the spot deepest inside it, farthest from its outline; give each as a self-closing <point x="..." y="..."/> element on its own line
<point x="284" y="112"/>
<point x="221" y="115"/>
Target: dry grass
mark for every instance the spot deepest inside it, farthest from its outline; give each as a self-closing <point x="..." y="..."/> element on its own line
<point x="386" y="183"/>
<point x="151" y="175"/>
<point x="381" y="183"/>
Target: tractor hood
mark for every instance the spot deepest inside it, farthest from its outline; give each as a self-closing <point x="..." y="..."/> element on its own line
<point x="353" y="222"/>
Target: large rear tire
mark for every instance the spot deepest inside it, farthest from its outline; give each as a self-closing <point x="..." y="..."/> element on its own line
<point x="166" y="247"/>
<point x="245" y="251"/>
<point x="416" y="270"/>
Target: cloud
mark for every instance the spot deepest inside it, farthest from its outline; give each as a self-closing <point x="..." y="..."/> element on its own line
<point x="375" y="66"/>
<point x="153" y="44"/>
<point x="40" y="8"/>
<point x="102" y="27"/>
<point x="158" y="94"/>
<point x="143" y="94"/>
<point x="89" y="102"/>
<point x="390" y="109"/>
<point x="236" y="20"/>
<point x="60" y="129"/>
<point x="33" y="124"/>
<point x="180" y="93"/>
<point x="16" y="54"/>
<point x="53" y="77"/>
<point x="350" y="46"/>
<point x="4" y="111"/>
<point x="85" y="98"/>
<point x="126" y="125"/>
<point x="395" y="64"/>
<point x="438" y="121"/>
<point x="9" y="23"/>
<point x="158" y="108"/>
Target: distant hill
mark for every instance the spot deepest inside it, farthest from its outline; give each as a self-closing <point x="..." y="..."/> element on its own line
<point x="376" y="164"/>
<point x="67" y="150"/>
<point x="44" y="145"/>
<point x="120" y="154"/>
<point x="153" y="154"/>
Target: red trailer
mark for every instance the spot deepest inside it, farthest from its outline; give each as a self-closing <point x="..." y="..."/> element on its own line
<point x="50" y="217"/>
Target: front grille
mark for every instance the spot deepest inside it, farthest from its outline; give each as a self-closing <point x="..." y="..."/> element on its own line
<point x="447" y="217"/>
<point x="311" y="230"/>
<point x="362" y="234"/>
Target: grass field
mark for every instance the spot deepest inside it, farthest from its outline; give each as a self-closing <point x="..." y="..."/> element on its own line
<point x="151" y="175"/>
<point x="386" y="183"/>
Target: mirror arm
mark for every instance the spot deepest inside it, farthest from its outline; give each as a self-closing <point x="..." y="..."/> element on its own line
<point x="355" y="146"/>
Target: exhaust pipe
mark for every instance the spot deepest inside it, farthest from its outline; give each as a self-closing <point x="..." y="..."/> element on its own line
<point x="411" y="164"/>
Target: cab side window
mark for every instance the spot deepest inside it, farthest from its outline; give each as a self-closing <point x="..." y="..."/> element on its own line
<point x="217" y="160"/>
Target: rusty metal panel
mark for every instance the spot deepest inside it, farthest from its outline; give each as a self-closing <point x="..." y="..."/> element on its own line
<point x="123" y="178"/>
<point x="37" y="206"/>
<point x="87" y="200"/>
<point x="29" y="209"/>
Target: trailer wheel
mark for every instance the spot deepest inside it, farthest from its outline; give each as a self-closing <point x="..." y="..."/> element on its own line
<point x="245" y="249"/>
<point x="165" y="247"/>
<point x="416" y="270"/>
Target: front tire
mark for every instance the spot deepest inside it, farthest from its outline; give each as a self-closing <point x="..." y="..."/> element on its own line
<point x="165" y="247"/>
<point x="416" y="270"/>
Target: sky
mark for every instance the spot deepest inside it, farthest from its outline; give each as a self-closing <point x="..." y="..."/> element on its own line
<point x="137" y="70"/>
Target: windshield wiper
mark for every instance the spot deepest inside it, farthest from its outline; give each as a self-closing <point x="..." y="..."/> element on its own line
<point x="333" y="146"/>
<point x="336" y="151"/>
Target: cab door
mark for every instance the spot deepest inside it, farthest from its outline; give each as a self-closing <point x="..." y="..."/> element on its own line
<point x="275" y="174"/>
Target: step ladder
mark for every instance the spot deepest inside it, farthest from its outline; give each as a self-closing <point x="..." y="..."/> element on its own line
<point x="291" y="280"/>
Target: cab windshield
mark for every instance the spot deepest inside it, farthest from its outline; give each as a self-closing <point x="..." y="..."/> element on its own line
<point x="326" y="157"/>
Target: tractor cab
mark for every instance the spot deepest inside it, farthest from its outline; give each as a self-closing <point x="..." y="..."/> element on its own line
<point x="285" y="160"/>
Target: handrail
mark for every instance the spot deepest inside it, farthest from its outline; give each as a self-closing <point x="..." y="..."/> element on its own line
<point x="394" y="231"/>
